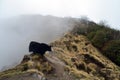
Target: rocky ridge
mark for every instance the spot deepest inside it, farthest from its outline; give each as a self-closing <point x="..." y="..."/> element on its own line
<point x="73" y="58"/>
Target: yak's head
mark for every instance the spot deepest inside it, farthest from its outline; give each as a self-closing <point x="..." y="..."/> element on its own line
<point x="49" y="48"/>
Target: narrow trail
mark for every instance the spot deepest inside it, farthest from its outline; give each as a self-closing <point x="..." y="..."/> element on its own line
<point x="57" y="64"/>
<point x="59" y="67"/>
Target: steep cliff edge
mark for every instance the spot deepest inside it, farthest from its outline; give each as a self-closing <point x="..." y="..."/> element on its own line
<point x="73" y="58"/>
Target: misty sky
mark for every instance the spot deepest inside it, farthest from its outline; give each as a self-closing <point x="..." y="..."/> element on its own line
<point x="96" y="10"/>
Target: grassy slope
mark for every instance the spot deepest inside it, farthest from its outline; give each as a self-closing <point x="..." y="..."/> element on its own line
<point x="73" y="58"/>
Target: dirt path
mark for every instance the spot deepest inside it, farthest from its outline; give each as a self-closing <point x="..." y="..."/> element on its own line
<point x="57" y="64"/>
<point x="59" y="67"/>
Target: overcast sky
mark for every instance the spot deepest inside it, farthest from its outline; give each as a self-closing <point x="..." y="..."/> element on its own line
<point x="96" y="10"/>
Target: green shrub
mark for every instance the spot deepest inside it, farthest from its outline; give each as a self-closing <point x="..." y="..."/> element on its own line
<point x="99" y="39"/>
<point x="91" y="35"/>
<point x="106" y="39"/>
<point x="112" y="50"/>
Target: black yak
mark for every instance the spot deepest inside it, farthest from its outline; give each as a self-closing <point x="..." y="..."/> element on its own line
<point x="39" y="48"/>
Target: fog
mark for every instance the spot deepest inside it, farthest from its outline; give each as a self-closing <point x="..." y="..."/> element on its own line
<point x="17" y="32"/>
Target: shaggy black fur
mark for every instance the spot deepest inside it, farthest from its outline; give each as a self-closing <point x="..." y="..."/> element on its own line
<point x="39" y="48"/>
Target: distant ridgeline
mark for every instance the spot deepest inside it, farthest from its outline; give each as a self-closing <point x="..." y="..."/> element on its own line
<point x="106" y="39"/>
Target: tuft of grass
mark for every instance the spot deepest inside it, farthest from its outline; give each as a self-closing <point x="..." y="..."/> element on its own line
<point x="77" y="73"/>
<point x="10" y="73"/>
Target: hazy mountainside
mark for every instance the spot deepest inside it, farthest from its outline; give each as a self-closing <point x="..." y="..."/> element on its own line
<point x="106" y="39"/>
<point x="73" y="58"/>
<point x="18" y="31"/>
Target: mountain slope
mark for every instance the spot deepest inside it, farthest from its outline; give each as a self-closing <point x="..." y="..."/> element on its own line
<point x="73" y="58"/>
<point x="25" y="28"/>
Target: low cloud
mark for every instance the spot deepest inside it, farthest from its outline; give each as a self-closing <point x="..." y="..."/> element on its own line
<point x="17" y="32"/>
